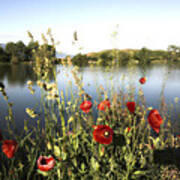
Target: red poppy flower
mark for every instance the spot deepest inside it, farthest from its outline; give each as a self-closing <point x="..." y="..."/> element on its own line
<point x="103" y="105"/>
<point x="155" y="120"/>
<point x="103" y="134"/>
<point x="1" y="137"/>
<point x="128" y="129"/>
<point x="86" y="106"/>
<point x="142" y="80"/>
<point x="178" y="136"/>
<point x="131" y="106"/>
<point x="45" y="163"/>
<point x="9" y="147"/>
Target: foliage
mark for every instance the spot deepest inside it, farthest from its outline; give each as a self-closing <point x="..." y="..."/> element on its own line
<point x="3" y="55"/>
<point x="63" y="137"/>
<point x="174" y="53"/>
<point x="32" y="46"/>
<point x="18" y="52"/>
<point x="143" y="56"/>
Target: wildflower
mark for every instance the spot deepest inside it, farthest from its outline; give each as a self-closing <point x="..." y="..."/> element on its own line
<point x="178" y="136"/>
<point x="131" y="106"/>
<point x="1" y="137"/>
<point x="103" y="105"/>
<point x="155" y="120"/>
<point x="45" y="86"/>
<point x="128" y="129"/>
<point x="29" y="83"/>
<point x="39" y="83"/>
<point x="45" y="163"/>
<point x="142" y="80"/>
<point x="86" y="106"/>
<point x="31" y="112"/>
<point x="103" y="134"/>
<point x="9" y="147"/>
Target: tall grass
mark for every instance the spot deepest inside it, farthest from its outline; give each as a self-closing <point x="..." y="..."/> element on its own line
<point x="65" y="132"/>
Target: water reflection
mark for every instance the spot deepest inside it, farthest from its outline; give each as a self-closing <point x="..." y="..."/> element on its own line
<point x="17" y="74"/>
<point x="158" y="76"/>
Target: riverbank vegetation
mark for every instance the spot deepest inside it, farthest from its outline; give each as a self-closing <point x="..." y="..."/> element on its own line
<point x="122" y="57"/>
<point x="19" y="52"/>
<point x="128" y="140"/>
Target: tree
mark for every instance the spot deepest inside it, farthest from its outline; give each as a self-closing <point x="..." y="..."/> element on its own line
<point x="173" y="53"/>
<point x="80" y="60"/>
<point x="3" y="55"/>
<point x="11" y="49"/>
<point x="16" y="51"/>
<point x="143" y="56"/>
<point x="21" y="51"/>
<point x="32" y="46"/>
<point x="124" y="57"/>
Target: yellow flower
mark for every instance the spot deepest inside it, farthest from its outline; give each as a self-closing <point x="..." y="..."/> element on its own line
<point x="29" y="83"/>
<point x="31" y="112"/>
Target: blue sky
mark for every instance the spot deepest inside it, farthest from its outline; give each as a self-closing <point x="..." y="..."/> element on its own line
<point x="151" y="23"/>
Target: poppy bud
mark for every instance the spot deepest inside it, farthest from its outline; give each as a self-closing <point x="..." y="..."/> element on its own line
<point x="142" y="80"/>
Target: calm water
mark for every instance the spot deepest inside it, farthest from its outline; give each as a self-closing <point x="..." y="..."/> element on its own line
<point x="15" y="77"/>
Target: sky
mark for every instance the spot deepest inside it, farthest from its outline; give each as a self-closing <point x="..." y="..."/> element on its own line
<point x="154" y="24"/>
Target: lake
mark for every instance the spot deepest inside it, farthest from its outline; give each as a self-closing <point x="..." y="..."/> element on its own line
<point x="159" y="76"/>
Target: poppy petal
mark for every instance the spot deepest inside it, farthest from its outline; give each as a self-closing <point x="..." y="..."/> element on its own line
<point x="9" y="147"/>
<point x="155" y="120"/>
<point x="45" y="163"/>
<point x="103" y="134"/>
<point x="142" y="80"/>
<point x="86" y="106"/>
<point x="103" y="105"/>
<point x="131" y="106"/>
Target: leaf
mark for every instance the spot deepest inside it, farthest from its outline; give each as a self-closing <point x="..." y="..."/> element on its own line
<point x="49" y="146"/>
<point x="82" y="167"/>
<point x="24" y="139"/>
<point x="139" y="173"/>
<point x="71" y="119"/>
<point x="59" y="173"/>
<point x="57" y="151"/>
<point x="31" y="112"/>
<point x="26" y="128"/>
<point x="94" y="164"/>
<point x="64" y="155"/>
<point x="42" y="172"/>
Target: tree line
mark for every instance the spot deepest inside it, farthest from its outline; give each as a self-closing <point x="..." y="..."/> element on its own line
<point x="19" y="52"/>
<point x="120" y="57"/>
